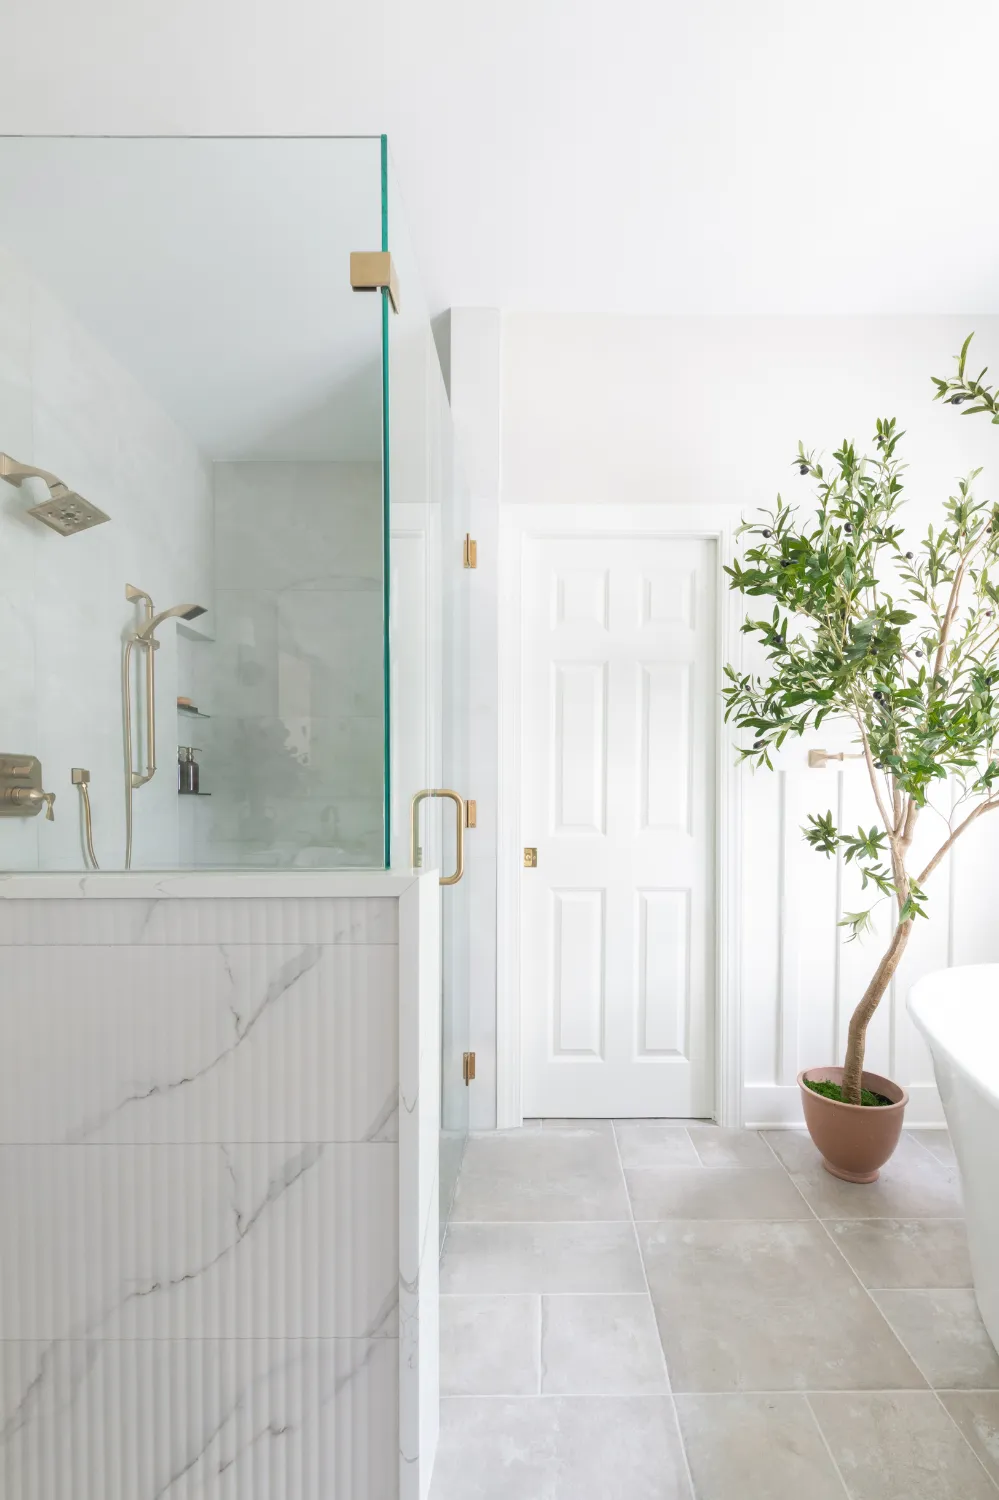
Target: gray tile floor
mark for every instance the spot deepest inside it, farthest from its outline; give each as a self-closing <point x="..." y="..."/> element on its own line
<point x="653" y="1311"/>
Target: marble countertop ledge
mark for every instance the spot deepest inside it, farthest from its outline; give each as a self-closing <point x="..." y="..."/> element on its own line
<point x="158" y="885"/>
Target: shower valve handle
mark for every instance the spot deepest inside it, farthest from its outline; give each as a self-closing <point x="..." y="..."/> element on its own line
<point x="31" y="797"/>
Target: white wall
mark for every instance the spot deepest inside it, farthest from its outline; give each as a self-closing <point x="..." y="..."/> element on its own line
<point x="67" y="406"/>
<point x="641" y="156"/>
<point x="708" y="411"/>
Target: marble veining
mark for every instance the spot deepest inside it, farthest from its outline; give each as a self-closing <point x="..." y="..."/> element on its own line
<point x="218" y="1128"/>
<point x="171" y="1043"/>
<point x="289" y="972"/>
<point x="297" y="1415"/>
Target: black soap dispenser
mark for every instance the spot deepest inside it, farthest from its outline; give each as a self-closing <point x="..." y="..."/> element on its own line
<point x="188" y="771"/>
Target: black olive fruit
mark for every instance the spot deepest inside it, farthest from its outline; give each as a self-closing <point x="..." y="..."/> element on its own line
<point x="802" y="468"/>
<point x="758" y="744"/>
<point x="848" y="529"/>
<point x="909" y="556"/>
<point x="768" y="534"/>
<point x="878" y="695"/>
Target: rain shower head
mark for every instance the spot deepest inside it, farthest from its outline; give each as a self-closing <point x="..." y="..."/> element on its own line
<point x="65" y="511"/>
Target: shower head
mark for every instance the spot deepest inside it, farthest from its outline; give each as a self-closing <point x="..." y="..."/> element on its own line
<point x="179" y="611"/>
<point x="65" y="511"/>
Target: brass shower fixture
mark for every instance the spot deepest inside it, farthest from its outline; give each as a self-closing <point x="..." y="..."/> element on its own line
<point x="65" y="511"/>
<point x="144" y="639"/>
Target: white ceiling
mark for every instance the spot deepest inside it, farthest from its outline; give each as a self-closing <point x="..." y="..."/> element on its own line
<point x="640" y="156"/>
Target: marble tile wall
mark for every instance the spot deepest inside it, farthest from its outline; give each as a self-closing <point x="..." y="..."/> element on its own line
<point x="68" y="406"/>
<point x="293" y="753"/>
<point x="212" y="1267"/>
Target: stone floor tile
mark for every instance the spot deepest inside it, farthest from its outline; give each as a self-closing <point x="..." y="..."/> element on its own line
<point x="714" y="1193"/>
<point x="938" y="1143"/>
<point x="600" y="1346"/>
<point x="944" y="1333"/>
<point x="977" y="1415"/>
<point x="905" y="1252"/>
<point x="745" y="1306"/>
<point x="912" y="1185"/>
<point x="560" y="1448"/>
<point x="595" y="1257"/>
<point x="565" y="1175"/>
<point x="654" y="1143"/>
<point x="760" y="1447"/>
<point x="899" y="1446"/>
<point x="716" y="1147"/>
<point x="490" y="1345"/>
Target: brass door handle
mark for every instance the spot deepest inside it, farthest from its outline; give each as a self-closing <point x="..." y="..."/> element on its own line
<point x="416" y="853"/>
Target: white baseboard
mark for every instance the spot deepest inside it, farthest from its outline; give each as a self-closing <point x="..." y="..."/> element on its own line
<point x="767" y="1106"/>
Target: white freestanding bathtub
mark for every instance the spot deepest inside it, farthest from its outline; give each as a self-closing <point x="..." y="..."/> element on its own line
<point x="957" y="1010"/>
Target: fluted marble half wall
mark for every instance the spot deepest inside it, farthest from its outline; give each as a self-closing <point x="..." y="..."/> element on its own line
<point x="218" y="1131"/>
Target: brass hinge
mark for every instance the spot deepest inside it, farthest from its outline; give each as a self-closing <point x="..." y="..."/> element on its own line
<point x="471" y="553"/>
<point x="530" y="859"/>
<point x="468" y="1067"/>
<point x="373" y="271"/>
<point x="471" y="813"/>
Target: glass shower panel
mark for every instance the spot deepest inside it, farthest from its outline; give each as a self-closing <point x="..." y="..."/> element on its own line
<point x="181" y="347"/>
<point x="429" y="635"/>
<point x="457" y="582"/>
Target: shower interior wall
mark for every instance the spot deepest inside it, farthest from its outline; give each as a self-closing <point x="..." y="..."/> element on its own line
<point x="68" y="406"/>
<point x="293" y="751"/>
<point x="287" y="661"/>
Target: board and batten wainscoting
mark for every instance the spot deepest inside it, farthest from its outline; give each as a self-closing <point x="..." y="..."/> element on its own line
<point x="800" y="977"/>
<point x="219" y="1109"/>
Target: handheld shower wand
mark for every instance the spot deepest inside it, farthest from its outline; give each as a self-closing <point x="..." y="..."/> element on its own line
<point x="144" y="638"/>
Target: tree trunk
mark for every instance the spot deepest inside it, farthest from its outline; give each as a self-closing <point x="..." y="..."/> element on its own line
<point x="853" y="1067"/>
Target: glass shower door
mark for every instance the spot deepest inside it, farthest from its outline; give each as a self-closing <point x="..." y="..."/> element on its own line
<point x="456" y="580"/>
<point x="429" y="631"/>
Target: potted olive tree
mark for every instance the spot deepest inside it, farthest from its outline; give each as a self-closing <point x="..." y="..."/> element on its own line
<point x="901" y="641"/>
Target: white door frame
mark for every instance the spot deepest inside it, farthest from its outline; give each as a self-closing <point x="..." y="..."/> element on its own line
<point x="520" y="524"/>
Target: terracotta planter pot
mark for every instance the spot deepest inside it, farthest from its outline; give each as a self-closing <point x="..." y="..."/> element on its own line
<point x="855" y="1139"/>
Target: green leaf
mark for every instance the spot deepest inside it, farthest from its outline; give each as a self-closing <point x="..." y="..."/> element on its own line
<point x="859" y="923"/>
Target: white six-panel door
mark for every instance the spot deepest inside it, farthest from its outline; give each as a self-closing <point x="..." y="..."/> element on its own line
<point x="618" y="783"/>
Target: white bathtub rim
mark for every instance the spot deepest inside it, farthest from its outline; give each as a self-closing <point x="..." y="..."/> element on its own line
<point x="980" y="1070"/>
